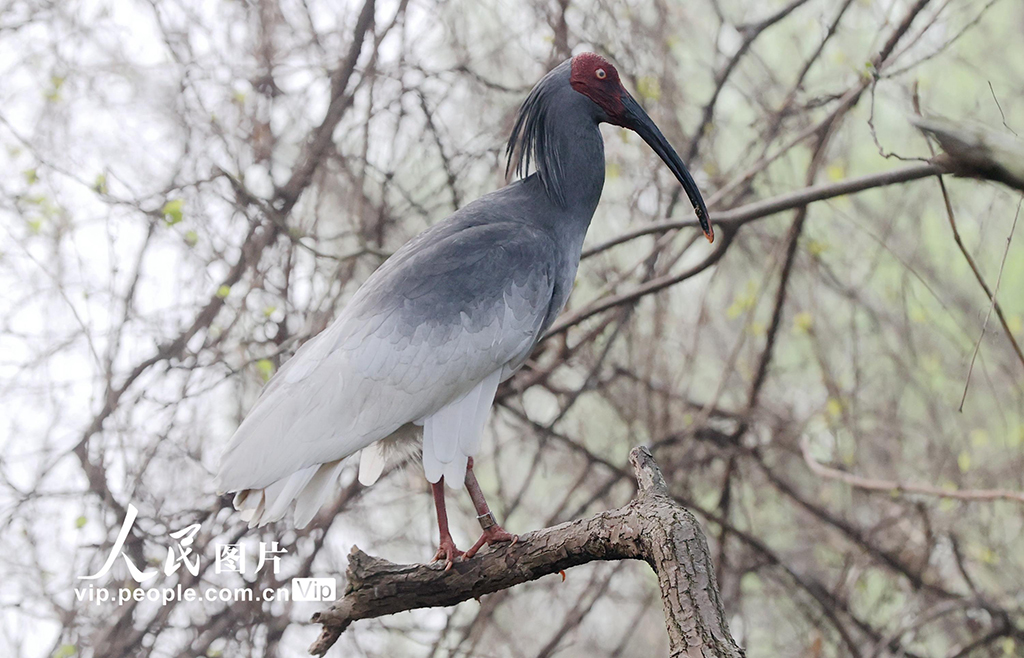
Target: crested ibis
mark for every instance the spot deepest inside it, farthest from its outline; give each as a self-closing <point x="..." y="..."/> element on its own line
<point x="428" y="337"/>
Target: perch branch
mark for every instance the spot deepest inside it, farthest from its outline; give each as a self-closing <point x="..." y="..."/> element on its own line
<point x="652" y="527"/>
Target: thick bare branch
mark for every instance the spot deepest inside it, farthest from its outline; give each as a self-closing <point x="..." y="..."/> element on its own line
<point x="977" y="151"/>
<point x="652" y="527"/>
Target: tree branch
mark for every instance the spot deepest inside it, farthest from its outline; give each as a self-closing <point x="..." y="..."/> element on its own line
<point x="977" y="151"/>
<point x="893" y="487"/>
<point x="736" y="217"/>
<point x="323" y="135"/>
<point x="652" y="527"/>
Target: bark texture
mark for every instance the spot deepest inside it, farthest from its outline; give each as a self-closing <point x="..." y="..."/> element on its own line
<point x="652" y="527"/>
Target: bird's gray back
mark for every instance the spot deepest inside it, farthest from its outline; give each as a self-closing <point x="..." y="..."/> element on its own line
<point x="459" y="272"/>
<point x="466" y="298"/>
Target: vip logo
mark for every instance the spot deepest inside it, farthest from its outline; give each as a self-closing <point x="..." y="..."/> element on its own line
<point x="313" y="589"/>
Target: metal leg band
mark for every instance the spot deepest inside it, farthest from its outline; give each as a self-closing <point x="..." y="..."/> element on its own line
<point x="487" y="521"/>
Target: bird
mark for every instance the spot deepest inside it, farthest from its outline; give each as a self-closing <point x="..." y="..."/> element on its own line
<point x="415" y="358"/>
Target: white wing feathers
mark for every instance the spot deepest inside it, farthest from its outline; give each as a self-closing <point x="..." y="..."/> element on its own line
<point x="452" y="435"/>
<point x="309" y="488"/>
<point x="383" y="364"/>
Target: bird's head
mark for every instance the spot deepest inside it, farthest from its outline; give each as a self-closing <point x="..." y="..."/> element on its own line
<point x="595" y="77"/>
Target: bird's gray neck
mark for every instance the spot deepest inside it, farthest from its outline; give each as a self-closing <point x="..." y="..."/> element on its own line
<point x="575" y="166"/>
<point x="580" y="150"/>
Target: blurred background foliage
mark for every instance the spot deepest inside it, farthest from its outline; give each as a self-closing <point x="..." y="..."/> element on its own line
<point x="159" y="265"/>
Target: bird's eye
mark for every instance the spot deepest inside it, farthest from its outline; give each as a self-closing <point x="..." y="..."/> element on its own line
<point x="601" y="75"/>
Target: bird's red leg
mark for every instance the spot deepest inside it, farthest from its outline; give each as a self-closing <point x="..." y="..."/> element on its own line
<point x="493" y="533"/>
<point x="446" y="551"/>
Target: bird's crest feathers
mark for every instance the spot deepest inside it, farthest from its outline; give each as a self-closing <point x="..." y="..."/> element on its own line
<point x="530" y="142"/>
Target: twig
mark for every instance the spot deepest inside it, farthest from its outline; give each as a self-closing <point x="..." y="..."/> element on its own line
<point x="650" y="287"/>
<point x="977" y="272"/>
<point x="988" y="316"/>
<point x="888" y="486"/>
<point x="977" y="152"/>
<point x="1000" y="108"/>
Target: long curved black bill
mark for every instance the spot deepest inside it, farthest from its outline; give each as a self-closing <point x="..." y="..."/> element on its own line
<point x="637" y="120"/>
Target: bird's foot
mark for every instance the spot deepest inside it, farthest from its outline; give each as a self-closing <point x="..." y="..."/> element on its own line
<point x="448" y="553"/>
<point x="492" y="535"/>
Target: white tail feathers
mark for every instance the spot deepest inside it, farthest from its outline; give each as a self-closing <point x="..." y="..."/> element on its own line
<point x="452" y="434"/>
<point x="309" y="488"/>
<point x="316" y="492"/>
<point x="372" y="461"/>
<point x="312" y="486"/>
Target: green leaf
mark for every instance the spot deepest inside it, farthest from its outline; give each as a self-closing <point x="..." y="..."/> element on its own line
<point x="31" y="176"/>
<point x="1015" y="439"/>
<point x="53" y="93"/>
<point x="802" y="322"/>
<point x="172" y="211"/>
<point x="65" y="651"/>
<point x="963" y="460"/>
<point x="265" y="368"/>
<point x="816" y="247"/>
<point x="649" y="88"/>
<point x="81" y="521"/>
<point x="191" y="238"/>
<point x="223" y="291"/>
<point x="99" y="186"/>
<point x="268" y="311"/>
<point x="987" y="555"/>
<point x="740" y="305"/>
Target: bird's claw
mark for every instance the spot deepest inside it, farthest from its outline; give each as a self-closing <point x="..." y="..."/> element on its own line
<point x="493" y="535"/>
<point x="449" y="553"/>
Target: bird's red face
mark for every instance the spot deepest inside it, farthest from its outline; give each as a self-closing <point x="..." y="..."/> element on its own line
<point x="595" y="77"/>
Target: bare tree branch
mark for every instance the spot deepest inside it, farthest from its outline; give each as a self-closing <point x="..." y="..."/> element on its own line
<point x="891" y="487"/>
<point x="741" y="215"/>
<point x="652" y="527"/>
<point x="978" y="151"/>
